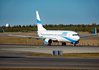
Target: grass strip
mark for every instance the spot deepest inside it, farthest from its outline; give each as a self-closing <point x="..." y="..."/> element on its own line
<point x="70" y="55"/>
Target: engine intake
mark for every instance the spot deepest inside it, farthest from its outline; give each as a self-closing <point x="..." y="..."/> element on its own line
<point x="48" y="41"/>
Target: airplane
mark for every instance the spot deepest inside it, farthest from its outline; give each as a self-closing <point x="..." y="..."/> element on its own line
<point x="50" y="36"/>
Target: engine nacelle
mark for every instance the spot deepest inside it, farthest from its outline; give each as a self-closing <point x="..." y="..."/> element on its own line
<point x="48" y="41"/>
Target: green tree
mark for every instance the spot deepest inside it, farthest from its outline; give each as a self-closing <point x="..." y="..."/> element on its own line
<point x="30" y="26"/>
<point x="23" y="26"/>
<point x="19" y="26"/>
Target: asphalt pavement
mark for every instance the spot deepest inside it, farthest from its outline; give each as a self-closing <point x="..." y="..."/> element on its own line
<point x="10" y="57"/>
<point x="49" y="49"/>
<point x="49" y="62"/>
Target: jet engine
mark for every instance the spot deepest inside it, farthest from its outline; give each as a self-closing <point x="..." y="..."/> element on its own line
<point x="48" y="41"/>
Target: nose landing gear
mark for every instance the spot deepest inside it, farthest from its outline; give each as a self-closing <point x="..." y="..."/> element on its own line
<point x="74" y="44"/>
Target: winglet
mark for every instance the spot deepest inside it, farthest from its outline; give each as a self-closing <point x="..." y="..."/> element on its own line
<point x="3" y="31"/>
<point x="95" y="31"/>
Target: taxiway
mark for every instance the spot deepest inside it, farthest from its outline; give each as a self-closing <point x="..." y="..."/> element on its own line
<point x="10" y="59"/>
<point x="49" y="49"/>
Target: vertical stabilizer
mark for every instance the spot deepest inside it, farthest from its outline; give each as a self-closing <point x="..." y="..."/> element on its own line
<point x="39" y="24"/>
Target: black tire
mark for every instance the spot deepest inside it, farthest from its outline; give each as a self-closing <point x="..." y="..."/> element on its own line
<point x="49" y="45"/>
<point x="63" y="44"/>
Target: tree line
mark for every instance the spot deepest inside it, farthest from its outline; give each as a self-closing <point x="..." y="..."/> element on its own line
<point x="79" y="27"/>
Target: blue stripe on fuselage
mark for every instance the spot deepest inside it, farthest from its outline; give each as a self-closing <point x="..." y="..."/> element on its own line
<point x="41" y="36"/>
<point x="64" y="33"/>
<point x="71" y="40"/>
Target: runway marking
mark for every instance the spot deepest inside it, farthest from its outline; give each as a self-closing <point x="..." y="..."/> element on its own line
<point x="28" y="46"/>
<point x="34" y="47"/>
<point x="37" y="47"/>
<point x="46" y="48"/>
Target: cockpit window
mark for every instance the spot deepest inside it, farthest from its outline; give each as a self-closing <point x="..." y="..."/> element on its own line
<point x="75" y="34"/>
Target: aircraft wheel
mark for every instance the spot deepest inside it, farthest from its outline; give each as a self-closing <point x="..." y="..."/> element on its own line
<point x="63" y="44"/>
<point x="49" y="45"/>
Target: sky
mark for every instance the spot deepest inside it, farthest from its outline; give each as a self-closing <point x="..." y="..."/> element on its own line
<point x="23" y="12"/>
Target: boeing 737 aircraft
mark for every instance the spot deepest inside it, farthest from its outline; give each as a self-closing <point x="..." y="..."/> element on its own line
<point x="50" y="36"/>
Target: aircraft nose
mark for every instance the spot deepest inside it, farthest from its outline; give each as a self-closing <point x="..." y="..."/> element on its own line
<point x="78" y="37"/>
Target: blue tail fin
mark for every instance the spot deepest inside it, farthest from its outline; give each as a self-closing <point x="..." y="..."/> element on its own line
<point x="39" y="24"/>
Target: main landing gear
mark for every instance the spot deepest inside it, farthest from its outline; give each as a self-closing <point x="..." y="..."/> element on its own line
<point x="49" y="44"/>
<point x="63" y="44"/>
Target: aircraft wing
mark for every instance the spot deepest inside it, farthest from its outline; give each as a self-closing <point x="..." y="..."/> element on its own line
<point x="19" y="35"/>
<point x="24" y="36"/>
<point x="89" y="35"/>
<point x="27" y="36"/>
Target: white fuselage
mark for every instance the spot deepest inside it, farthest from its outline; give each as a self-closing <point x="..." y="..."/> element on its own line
<point x="60" y="36"/>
